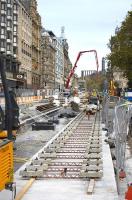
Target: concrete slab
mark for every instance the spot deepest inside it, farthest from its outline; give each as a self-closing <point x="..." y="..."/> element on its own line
<point x="68" y="189"/>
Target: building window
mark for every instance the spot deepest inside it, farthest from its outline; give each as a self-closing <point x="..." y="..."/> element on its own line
<point x="15" y="7"/>
<point x="15" y="17"/>
<point x="14" y="39"/>
<point x="3" y="6"/>
<point x="9" y="35"/>
<point x="3" y="19"/>
<point x="15" y="50"/>
<point x="9" y="1"/>
<point x="9" y="12"/>
<point x="2" y="31"/>
<point x="15" y="28"/>
<point x="13" y="67"/>
<point x="8" y="47"/>
<point x="2" y="44"/>
<point x="8" y="66"/>
<point x="9" y="23"/>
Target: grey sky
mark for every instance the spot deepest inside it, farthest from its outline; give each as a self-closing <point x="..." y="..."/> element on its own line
<point x="88" y="24"/>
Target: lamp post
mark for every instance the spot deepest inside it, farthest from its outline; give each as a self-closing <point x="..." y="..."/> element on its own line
<point x="105" y="84"/>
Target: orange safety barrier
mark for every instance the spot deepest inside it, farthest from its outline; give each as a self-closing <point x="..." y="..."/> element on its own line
<point x="25" y="100"/>
<point x="128" y="195"/>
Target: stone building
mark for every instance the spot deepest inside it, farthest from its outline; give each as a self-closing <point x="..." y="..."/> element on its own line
<point x="48" y="49"/>
<point x="25" y="45"/>
<point x="59" y="65"/>
<point x="9" y="39"/>
<point x="63" y="63"/>
<point x="67" y="62"/>
<point x="87" y="73"/>
<point x="31" y="7"/>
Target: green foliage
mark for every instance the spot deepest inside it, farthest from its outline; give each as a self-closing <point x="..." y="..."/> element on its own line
<point x="95" y="82"/>
<point x="121" y="48"/>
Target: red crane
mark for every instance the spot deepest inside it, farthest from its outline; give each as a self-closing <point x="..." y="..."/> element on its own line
<point x="75" y="65"/>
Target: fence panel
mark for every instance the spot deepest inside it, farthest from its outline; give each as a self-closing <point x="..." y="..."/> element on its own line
<point x="123" y="115"/>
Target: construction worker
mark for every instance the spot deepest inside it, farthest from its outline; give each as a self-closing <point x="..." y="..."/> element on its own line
<point x="88" y="111"/>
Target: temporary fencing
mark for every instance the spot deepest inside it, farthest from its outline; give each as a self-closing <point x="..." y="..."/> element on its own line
<point x="27" y="96"/>
<point x="109" y="103"/>
<point x="28" y="100"/>
<point x="123" y="114"/>
<point x="117" y="116"/>
<point x="105" y="108"/>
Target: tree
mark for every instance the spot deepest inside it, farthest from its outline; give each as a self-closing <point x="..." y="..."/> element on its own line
<point x="121" y="48"/>
<point x="95" y="82"/>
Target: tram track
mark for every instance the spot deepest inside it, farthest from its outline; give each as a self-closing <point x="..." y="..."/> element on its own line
<point x="77" y="148"/>
<point x="79" y="143"/>
<point x="42" y="114"/>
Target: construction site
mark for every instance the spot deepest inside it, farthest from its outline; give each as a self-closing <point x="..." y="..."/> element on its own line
<point x="79" y="149"/>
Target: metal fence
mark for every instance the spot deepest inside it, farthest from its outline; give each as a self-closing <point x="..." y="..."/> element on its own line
<point x="123" y="115"/>
<point x="105" y="108"/>
<point x="117" y="116"/>
<point x="108" y="106"/>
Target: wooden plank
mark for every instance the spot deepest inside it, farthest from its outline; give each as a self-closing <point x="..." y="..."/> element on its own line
<point x="25" y="189"/>
<point x="91" y="186"/>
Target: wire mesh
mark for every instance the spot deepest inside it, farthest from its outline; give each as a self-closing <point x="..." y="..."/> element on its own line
<point x="105" y="108"/>
<point x="123" y="114"/>
<point x="108" y="106"/>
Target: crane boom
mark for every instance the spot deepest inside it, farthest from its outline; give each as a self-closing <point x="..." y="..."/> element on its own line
<point x="75" y="65"/>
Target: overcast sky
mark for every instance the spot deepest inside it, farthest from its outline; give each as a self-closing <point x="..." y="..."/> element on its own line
<point x="88" y="24"/>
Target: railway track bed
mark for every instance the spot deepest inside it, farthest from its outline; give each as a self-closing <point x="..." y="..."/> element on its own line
<point x="75" y="153"/>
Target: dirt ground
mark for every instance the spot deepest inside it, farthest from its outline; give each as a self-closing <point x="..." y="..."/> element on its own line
<point x="30" y="142"/>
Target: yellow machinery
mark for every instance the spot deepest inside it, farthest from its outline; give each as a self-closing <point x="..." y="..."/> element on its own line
<point x="112" y="88"/>
<point x="9" y="123"/>
<point x="4" y="134"/>
<point x="6" y="163"/>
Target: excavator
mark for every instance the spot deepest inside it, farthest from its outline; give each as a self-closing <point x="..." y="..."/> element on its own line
<point x="9" y="124"/>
